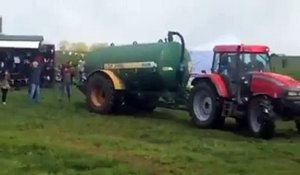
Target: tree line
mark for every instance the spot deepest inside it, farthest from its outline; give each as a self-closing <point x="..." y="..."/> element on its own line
<point x="79" y="46"/>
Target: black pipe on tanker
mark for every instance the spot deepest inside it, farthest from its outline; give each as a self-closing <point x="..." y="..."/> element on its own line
<point x="181" y="68"/>
<point x="170" y="38"/>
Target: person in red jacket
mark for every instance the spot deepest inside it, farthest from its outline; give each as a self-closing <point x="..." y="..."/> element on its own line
<point x="67" y="80"/>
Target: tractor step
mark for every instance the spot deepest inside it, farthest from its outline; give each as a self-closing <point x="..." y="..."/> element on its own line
<point x="227" y="109"/>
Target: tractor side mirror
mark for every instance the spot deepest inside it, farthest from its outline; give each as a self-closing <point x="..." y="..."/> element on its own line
<point x="203" y="71"/>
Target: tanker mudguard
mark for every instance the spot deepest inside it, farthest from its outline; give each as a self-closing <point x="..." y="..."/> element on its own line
<point x="216" y="80"/>
<point x="117" y="82"/>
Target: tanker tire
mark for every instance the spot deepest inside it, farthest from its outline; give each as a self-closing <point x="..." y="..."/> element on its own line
<point x="145" y="105"/>
<point x="100" y="94"/>
<point x="261" y="124"/>
<point x="204" y="96"/>
<point x="118" y="101"/>
<point x="297" y="123"/>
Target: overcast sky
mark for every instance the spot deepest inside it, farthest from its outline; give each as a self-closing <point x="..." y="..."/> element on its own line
<point x="272" y="22"/>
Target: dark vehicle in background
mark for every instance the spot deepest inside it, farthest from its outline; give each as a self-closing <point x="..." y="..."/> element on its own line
<point x="16" y="54"/>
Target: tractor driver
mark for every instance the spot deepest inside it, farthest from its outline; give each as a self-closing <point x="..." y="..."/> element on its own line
<point x="224" y="65"/>
<point x="228" y="65"/>
<point x="254" y="64"/>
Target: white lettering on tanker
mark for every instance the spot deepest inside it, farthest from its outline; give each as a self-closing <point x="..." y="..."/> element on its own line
<point x="132" y="65"/>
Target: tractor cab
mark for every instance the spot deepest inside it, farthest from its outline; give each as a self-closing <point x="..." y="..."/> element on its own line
<point x="234" y="62"/>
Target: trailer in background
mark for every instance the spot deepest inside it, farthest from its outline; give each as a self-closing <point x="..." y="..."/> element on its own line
<point x="16" y="54"/>
<point x="286" y="64"/>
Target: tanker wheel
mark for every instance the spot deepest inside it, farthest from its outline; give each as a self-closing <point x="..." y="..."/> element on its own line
<point x="261" y="118"/>
<point x="205" y="107"/>
<point x="297" y="122"/>
<point x="100" y="94"/>
<point x="145" y="105"/>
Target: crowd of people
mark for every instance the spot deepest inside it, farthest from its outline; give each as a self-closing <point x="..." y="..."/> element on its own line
<point x="64" y="78"/>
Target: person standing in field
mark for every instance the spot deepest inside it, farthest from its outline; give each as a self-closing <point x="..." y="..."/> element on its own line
<point x="34" y="82"/>
<point x="58" y="80"/>
<point x="5" y="86"/>
<point x="67" y="80"/>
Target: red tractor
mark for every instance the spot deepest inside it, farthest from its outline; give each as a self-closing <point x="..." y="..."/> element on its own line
<point x="241" y="85"/>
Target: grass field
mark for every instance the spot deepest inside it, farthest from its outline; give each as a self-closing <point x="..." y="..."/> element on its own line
<point x="62" y="138"/>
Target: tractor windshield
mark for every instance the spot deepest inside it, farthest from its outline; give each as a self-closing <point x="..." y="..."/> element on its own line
<point x="255" y="62"/>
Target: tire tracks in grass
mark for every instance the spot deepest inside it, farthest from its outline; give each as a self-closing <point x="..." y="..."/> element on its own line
<point x="126" y="156"/>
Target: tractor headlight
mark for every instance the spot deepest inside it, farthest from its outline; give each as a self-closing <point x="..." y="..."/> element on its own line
<point x="293" y="94"/>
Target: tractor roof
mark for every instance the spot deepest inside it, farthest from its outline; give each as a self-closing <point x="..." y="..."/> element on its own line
<point x="241" y="48"/>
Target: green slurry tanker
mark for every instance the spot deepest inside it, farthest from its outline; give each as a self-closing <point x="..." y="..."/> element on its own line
<point x="240" y="84"/>
<point x="136" y="75"/>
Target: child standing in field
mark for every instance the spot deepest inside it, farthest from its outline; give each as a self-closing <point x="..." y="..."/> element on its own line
<point x="5" y="86"/>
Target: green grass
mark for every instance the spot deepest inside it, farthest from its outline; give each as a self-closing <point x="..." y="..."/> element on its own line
<point x="62" y="138"/>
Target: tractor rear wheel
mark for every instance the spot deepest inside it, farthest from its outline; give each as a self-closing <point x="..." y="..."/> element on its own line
<point x="205" y="107"/>
<point x="261" y="118"/>
<point x="100" y="94"/>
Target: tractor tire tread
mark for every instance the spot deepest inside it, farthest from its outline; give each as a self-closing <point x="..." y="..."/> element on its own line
<point x="216" y="121"/>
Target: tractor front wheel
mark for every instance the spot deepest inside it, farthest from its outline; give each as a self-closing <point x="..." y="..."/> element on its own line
<point x="261" y="118"/>
<point x="205" y="107"/>
<point x="100" y="94"/>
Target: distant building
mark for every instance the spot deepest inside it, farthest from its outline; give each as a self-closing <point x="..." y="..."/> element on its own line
<point x="16" y="53"/>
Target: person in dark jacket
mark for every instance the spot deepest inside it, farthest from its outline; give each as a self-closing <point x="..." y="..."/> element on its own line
<point x="34" y="82"/>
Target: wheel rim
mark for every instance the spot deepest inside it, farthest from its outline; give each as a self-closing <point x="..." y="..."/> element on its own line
<point x="254" y="119"/>
<point x="97" y="96"/>
<point x="202" y="105"/>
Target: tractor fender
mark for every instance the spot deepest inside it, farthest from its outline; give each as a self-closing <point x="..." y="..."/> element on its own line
<point x="215" y="80"/>
<point x="117" y="82"/>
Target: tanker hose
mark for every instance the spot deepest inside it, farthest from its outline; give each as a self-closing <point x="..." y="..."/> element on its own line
<point x="170" y="38"/>
<point x="181" y="65"/>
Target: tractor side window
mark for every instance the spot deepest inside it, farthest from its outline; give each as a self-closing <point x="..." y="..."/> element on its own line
<point x="228" y="64"/>
<point x="216" y="62"/>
